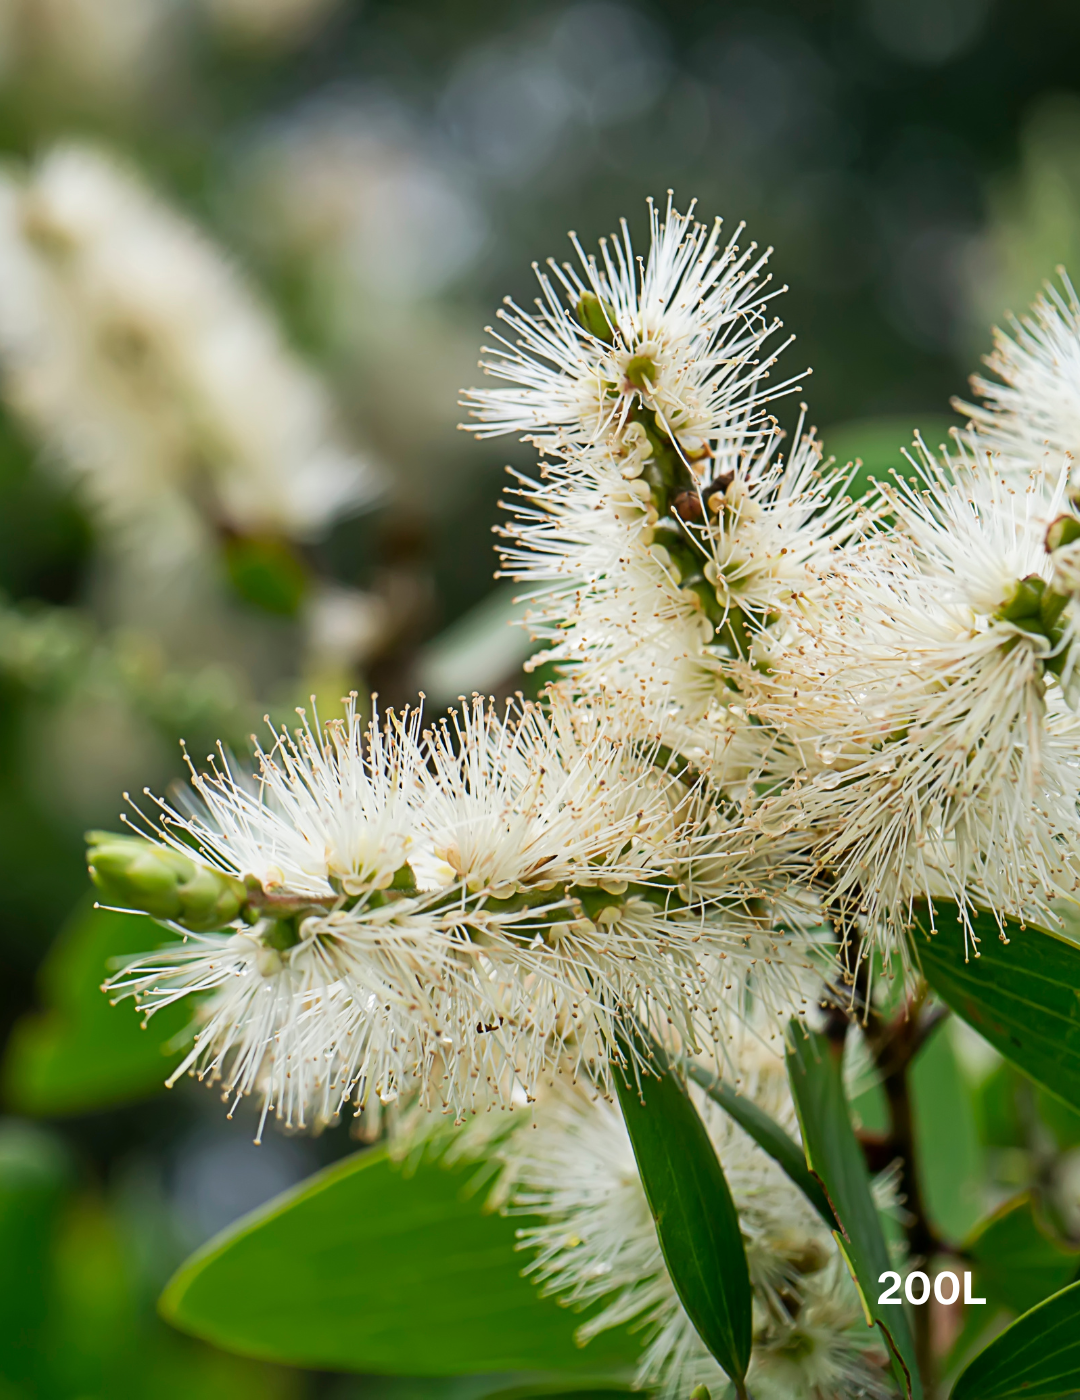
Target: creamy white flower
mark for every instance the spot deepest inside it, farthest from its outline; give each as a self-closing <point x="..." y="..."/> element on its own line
<point x="676" y="342"/>
<point x="598" y="1244"/>
<point x="135" y="351"/>
<point x="456" y="914"/>
<point x="926" y="697"/>
<point x="672" y="607"/>
<point x="1032" y="409"/>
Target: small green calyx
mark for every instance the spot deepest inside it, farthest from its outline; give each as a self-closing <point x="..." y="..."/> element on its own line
<point x="700" y="1392"/>
<point x="597" y="317"/>
<point x="1036" y="608"/>
<point x="1065" y="530"/>
<point x="164" y="883"/>
<point x="280" y="934"/>
<point x="404" y="880"/>
<point x="1025" y="604"/>
<point x="641" y="372"/>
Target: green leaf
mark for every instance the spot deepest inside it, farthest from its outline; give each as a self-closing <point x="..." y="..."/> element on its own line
<point x="34" y="1176"/>
<point x="1037" y="1358"/>
<point x="835" y="1158"/>
<point x="1063" y="1122"/>
<point x="768" y="1135"/>
<point x="1022" y="996"/>
<point x="362" y="1268"/>
<point x="266" y="571"/>
<point x="80" y="1053"/>
<point x="1019" y="1262"/>
<point x="950" y="1156"/>
<point x="696" y="1220"/>
<point x="492" y="1386"/>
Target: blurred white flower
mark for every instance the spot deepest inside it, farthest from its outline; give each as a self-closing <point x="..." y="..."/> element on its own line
<point x="109" y="52"/>
<point x="348" y="180"/>
<point x="268" y="23"/>
<point x="137" y="353"/>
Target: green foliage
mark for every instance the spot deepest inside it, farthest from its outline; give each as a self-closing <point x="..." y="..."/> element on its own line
<point x="877" y="445"/>
<point x="75" y="1319"/>
<point x="769" y="1136"/>
<point x="364" y="1268"/>
<point x="266" y="572"/>
<point x="44" y="537"/>
<point x="34" y="1173"/>
<point x="1021" y="995"/>
<point x="835" y="1158"/>
<point x="1037" y="1358"/>
<point x="951" y="1167"/>
<point x="1019" y="1262"/>
<point x="696" y="1220"/>
<point x="79" y="1053"/>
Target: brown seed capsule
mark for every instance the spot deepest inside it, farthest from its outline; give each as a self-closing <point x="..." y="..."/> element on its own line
<point x="687" y="506"/>
<point x="720" y="485"/>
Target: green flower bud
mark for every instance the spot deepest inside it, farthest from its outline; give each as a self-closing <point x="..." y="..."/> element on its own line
<point x="1064" y="530"/>
<point x="700" y="1392"/>
<point x="162" y="882"/>
<point x="597" y="317"/>
<point x="641" y="372"/>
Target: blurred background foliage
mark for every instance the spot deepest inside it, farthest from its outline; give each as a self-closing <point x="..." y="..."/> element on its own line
<point x="379" y="175"/>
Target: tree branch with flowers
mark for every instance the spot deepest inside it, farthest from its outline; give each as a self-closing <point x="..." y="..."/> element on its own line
<point x="805" y="786"/>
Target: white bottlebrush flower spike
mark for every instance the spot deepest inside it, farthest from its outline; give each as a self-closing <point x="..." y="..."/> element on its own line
<point x="133" y="349"/>
<point x="1031" y="410"/>
<point x="453" y="913"/>
<point x="930" y="695"/>
<point x="680" y="335"/>
<point x="778" y="712"/>
<point x="572" y="1164"/>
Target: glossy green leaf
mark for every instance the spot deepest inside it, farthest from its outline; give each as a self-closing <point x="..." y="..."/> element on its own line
<point x="1037" y="1358"/>
<point x="79" y="1052"/>
<point x="834" y="1156"/>
<point x="1019" y="1262"/>
<point x="362" y="1268"/>
<point x="1022" y="996"/>
<point x="696" y="1220"/>
<point x="768" y="1135"/>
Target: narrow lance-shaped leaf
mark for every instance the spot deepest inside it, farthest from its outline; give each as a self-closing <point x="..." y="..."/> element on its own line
<point x="769" y="1136"/>
<point x="696" y="1220"/>
<point x="1022" y="996"/>
<point x="835" y="1158"/>
<point x="1037" y="1358"/>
